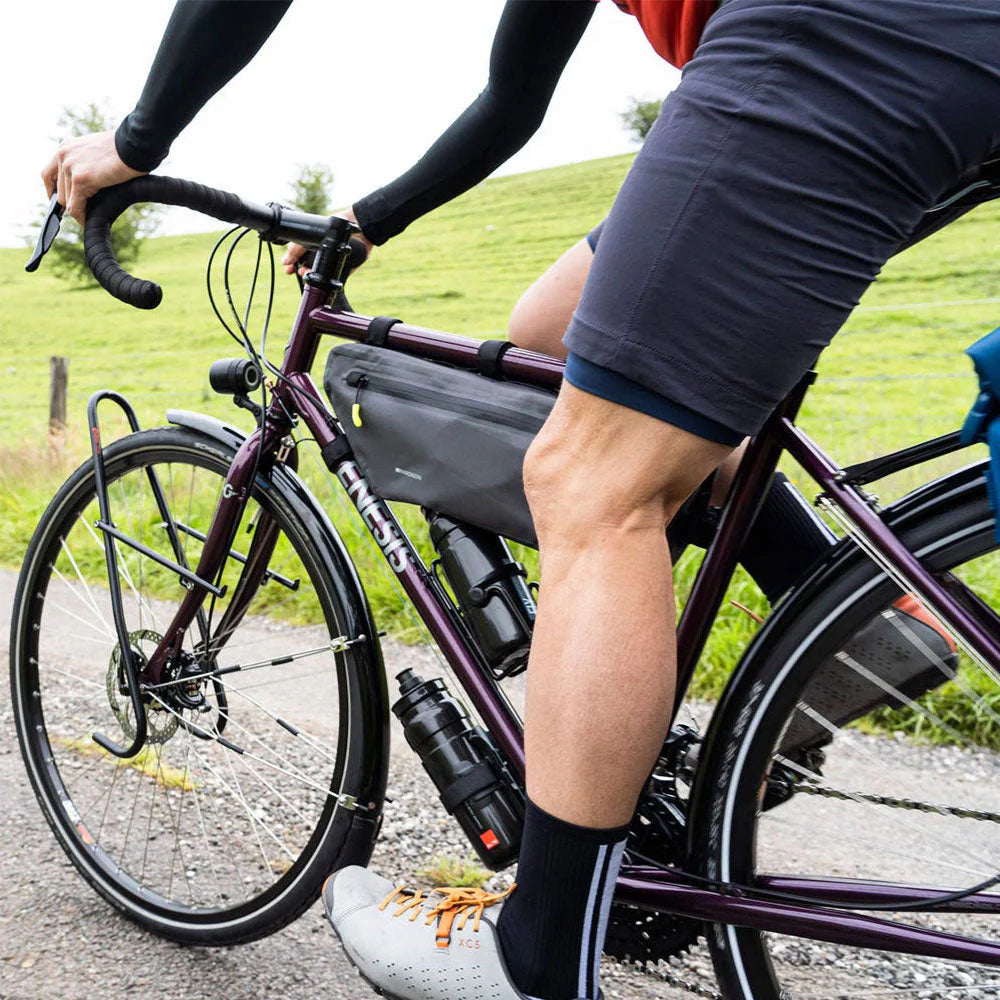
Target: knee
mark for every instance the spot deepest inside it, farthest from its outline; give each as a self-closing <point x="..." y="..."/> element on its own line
<point x="579" y="499"/>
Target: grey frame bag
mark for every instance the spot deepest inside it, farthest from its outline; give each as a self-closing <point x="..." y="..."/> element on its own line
<point x="430" y="434"/>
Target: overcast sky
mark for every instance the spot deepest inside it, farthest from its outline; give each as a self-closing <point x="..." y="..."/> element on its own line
<point x="363" y="85"/>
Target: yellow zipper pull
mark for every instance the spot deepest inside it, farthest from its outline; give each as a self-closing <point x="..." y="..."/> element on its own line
<point x="356" y="408"/>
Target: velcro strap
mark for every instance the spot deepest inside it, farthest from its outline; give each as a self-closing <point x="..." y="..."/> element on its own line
<point x="378" y="330"/>
<point x="478" y="778"/>
<point x="489" y="357"/>
<point x="335" y="451"/>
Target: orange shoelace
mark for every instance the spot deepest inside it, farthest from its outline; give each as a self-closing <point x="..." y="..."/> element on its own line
<point x="459" y="904"/>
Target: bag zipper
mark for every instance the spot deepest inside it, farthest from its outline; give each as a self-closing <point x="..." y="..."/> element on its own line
<point x="443" y="400"/>
<point x="356" y="406"/>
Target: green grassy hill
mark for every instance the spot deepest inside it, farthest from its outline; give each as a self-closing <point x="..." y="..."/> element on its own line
<point x="462" y="269"/>
<point x="895" y="375"/>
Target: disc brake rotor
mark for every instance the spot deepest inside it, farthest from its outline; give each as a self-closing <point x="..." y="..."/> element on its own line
<point x="160" y="724"/>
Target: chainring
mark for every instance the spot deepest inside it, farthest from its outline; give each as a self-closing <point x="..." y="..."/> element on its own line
<point x="639" y="936"/>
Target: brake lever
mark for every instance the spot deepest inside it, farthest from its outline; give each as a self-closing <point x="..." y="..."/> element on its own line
<point x="50" y="228"/>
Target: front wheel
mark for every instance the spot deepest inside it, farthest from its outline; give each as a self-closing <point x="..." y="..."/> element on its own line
<point x="261" y="736"/>
<point x="905" y="792"/>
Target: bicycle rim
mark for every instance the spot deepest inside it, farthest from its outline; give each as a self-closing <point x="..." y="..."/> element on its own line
<point x="903" y="793"/>
<point x="223" y="826"/>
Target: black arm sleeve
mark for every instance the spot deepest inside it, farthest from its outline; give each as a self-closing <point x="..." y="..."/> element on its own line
<point x="532" y="46"/>
<point x="207" y="42"/>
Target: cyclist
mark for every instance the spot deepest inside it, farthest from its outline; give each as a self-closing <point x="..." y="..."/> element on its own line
<point x="802" y="146"/>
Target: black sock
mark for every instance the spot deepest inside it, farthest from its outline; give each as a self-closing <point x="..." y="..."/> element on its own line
<point x="553" y="926"/>
<point x="785" y="540"/>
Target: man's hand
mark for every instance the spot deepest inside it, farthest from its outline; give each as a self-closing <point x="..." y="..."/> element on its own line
<point x="294" y="252"/>
<point x="81" y="167"/>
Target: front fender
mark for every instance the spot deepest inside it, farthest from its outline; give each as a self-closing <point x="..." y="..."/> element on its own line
<point x="370" y="754"/>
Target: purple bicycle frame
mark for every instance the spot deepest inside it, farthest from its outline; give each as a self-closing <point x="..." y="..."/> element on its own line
<point x="666" y="890"/>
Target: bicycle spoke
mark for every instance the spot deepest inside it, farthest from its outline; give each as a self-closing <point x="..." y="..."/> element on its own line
<point x="855" y="745"/>
<point x="329" y="753"/>
<point x="82" y="621"/>
<point x="74" y="677"/>
<point x="115" y="771"/>
<point x="140" y="601"/>
<point x="195" y="821"/>
<point x="805" y="829"/>
<point x="149" y="821"/>
<point x="196" y="806"/>
<point x="241" y="751"/>
<point x="83" y="583"/>
<point x="88" y="602"/>
<point x="238" y="795"/>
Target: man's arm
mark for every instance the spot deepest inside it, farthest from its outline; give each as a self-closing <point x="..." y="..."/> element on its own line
<point x="206" y="43"/>
<point x="532" y="46"/>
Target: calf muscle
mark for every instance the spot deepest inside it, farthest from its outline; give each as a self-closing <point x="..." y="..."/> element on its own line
<point x="603" y="481"/>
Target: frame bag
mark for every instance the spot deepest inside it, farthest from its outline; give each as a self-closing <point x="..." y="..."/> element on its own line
<point x="429" y="434"/>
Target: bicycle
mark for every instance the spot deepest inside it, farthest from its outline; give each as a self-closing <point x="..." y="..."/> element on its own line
<point x="213" y="814"/>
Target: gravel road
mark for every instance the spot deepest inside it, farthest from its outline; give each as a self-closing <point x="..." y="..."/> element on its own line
<point x="59" y="941"/>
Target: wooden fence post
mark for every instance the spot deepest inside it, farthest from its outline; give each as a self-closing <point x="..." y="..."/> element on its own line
<point x="58" y="377"/>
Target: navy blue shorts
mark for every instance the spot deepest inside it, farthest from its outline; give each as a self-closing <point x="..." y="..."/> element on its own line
<point x="804" y="144"/>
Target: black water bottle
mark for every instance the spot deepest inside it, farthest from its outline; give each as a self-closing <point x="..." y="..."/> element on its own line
<point x="474" y="784"/>
<point x="490" y="588"/>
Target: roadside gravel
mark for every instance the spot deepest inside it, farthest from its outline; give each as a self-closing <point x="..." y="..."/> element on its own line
<point x="59" y="941"/>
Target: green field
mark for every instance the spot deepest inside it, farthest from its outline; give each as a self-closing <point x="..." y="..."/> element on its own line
<point x="895" y="375"/>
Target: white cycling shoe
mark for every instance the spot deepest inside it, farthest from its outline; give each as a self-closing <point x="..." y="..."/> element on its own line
<point x="438" y="944"/>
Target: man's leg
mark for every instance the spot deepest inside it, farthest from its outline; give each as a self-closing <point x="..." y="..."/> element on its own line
<point x="602" y="481"/>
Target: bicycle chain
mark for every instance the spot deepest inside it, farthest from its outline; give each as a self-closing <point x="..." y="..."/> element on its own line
<point x="671" y="978"/>
<point x="825" y="791"/>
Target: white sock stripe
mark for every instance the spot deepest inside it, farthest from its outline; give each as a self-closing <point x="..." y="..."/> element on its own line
<point x="607" y="892"/>
<point x="595" y="881"/>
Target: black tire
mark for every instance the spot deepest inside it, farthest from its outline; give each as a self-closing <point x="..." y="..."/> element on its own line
<point x="297" y="792"/>
<point x="734" y="820"/>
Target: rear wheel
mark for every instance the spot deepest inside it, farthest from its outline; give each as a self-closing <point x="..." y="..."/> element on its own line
<point x="907" y="793"/>
<point x="225" y="824"/>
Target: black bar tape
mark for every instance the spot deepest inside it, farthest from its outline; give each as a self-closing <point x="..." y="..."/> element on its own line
<point x="108" y="204"/>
